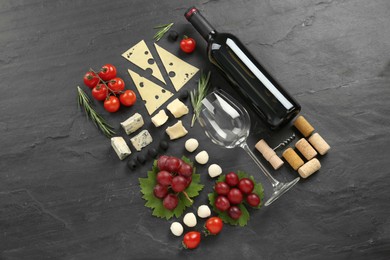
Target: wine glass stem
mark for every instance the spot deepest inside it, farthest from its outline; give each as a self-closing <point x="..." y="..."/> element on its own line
<point x="273" y="181"/>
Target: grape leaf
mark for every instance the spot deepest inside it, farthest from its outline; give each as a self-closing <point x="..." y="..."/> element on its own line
<point x="158" y="210"/>
<point x="245" y="216"/>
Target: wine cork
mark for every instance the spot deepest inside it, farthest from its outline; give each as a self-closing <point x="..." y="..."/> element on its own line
<point x="306" y="149"/>
<point x="276" y="162"/>
<point x="292" y="158"/>
<point x="319" y="144"/>
<point x="309" y="168"/>
<point x="303" y="126"/>
<point x="264" y="149"/>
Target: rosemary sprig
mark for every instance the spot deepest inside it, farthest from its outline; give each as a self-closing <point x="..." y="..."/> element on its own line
<point x="97" y="119"/>
<point x="164" y="28"/>
<point x="197" y="95"/>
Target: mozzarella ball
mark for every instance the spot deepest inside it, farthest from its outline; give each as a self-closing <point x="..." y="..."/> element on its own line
<point x="191" y="145"/>
<point x="177" y="229"/>
<point x="204" y="211"/>
<point x="202" y="157"/>
<point x="190" y="220"/>
<point x="215" y="170"/>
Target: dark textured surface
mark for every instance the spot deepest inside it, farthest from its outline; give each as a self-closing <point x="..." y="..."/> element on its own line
<point x="65" y="195"/>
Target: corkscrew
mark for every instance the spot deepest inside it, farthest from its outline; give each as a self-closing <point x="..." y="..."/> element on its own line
<point x="285" y="142"/>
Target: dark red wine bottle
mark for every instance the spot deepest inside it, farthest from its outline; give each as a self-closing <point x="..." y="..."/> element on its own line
<point x="249" y="78"/>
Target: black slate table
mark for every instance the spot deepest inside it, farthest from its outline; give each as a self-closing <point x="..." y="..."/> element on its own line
<point x="65" y="195"/>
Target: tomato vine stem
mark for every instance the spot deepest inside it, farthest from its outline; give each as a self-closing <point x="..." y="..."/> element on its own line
<point x="105" y="83"/>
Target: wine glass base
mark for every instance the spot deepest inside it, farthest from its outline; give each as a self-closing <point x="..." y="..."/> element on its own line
<point x="280" y="189"/>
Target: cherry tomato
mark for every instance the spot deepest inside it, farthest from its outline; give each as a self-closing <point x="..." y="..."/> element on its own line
<point x="116" y="85"/>
<point x="128" y="98"/>
<point x="91" y="79"/>
<point x="214" y="225"/>
<point x="112" y="104"/>
<point x="191" y="240"/>
<point x="187" y="45"/>
<point x="100" y="92"/>
<point x="107" y="72"/>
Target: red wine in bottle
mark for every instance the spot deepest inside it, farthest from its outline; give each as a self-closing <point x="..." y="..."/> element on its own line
<point x="249" y="78"/>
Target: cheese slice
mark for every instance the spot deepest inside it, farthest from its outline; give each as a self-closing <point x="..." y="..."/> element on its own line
<point x="120" y="147"/>
<point x="177" y="108"/>
<point x="140" y="55"/>
<point x="141" y="140"/>
<point x="160" y="118"/>
<point x="152" y="94"/>
<point x="176" y="131"/>
<point x="133" y="123"/>
<point x="179" y="71"/>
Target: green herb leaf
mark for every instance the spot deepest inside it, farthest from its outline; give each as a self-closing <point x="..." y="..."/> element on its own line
<point x="245" y="216"/>
<point x="198" y="95"/>
<point x="147" y="184"/>
<point x="98" y="120"/>
<point x="163" y="29"/>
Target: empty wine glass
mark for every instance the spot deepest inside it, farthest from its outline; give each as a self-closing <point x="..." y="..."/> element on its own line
<point x="227" y="124"/>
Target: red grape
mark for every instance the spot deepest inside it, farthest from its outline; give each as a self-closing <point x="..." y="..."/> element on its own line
<point x="189" y="180"/>
<point x="170" y="201"/>
<point x="234" y="212"/>
<point x="221" y="188"/>
<point x="185" y="170"/>
<point x="235" y="196"/>
<point x="164" y="178"/>
<point x="253" y="200"/>
<point x="172" y="164"/>
<point x="160" y="191"/>
<point x="222" y="203"/>
<point x="179" y="183"/>
<point x="231" y="179"/>
<point x="161" y="162"/>
<point x="246" y="185"/>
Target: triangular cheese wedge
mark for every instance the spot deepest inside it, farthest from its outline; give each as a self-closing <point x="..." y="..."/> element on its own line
<point x="152" y="94"/>
<point x="179" y="71"/>
<point x="140" y="55"/>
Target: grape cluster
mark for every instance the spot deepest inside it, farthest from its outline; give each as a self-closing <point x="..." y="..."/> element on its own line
<point x="234" y="191"/>
<point x="174" y="176"/>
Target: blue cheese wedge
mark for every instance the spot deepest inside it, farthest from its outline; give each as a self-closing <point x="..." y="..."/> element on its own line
<point x="176" y="131"/>
<point x="141" y="140"/>
<point x="177" y="108"/>
<point x="160" y="118"/>
<point x="133" y="123"/>
<point x="120" y="147"/>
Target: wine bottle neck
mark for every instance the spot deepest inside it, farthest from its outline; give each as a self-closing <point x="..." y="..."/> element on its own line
<point x="199" y="22"/>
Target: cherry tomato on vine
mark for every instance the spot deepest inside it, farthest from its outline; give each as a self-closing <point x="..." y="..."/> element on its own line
<point x="187" y="44"/>
<point x="107" y="72"/>
<point x="100" y="92"/>
<point x="214" y="225"/>
<point x="128" y="98"/>
<point x="91" y="79"/>
<point x="112" y="104"/>
<point x="191" y="240"/>
<point x="116" y="85"/>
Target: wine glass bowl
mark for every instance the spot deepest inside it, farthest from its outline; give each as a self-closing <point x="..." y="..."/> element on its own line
<point x="227" y="123"/>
